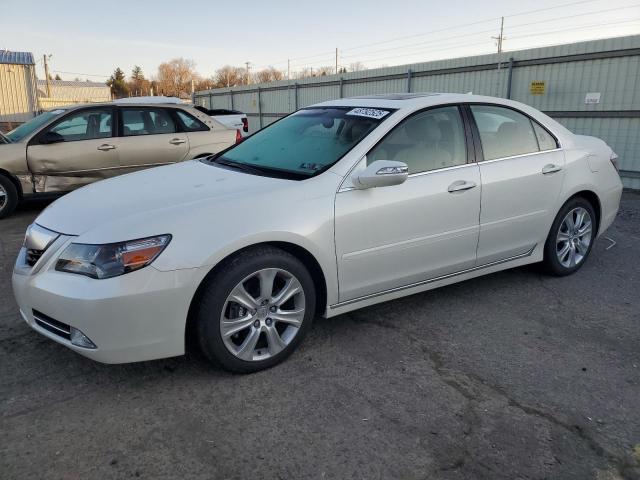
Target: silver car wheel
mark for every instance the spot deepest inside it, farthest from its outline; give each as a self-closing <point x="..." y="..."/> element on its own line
<point x="574" y="237"/>
<point x="262" y="314"/>
<point x="3" y="197"/>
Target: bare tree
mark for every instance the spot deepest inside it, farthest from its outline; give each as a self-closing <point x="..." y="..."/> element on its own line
<point x="325" y="70"/>
<point x="269" y="74"/>
<point x="356" y="67"/>
<point x="175" y="77"/>
<point x="229" y="76"/>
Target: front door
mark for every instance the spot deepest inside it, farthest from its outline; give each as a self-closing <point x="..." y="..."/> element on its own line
<point x="522" y="176"/>
<point x="76" y="150"/>
<point x="149" y="137"/>
<point x="391" y="237"/>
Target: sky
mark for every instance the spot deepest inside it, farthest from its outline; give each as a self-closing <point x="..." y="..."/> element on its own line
<point x="89" y="39"/>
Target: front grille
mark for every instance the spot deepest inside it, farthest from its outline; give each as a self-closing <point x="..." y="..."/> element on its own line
<point x="33" y="256"/>
<point x="51" y="325"/>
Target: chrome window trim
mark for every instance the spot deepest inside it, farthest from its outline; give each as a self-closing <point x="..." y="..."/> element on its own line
<point x="436" y="170"/>
<point x="519" y="156"/>
<point x="432" y="280"/>
<point x="418" y="174"/>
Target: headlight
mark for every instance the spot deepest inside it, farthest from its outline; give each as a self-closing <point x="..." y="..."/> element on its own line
<point x="112" y="259"/>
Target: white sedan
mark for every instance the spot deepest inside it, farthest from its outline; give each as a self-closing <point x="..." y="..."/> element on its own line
<point x="335" y="207"/>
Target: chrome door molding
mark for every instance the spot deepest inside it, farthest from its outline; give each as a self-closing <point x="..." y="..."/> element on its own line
<point x="519" y="156"/>
<point x="434" y="279"/>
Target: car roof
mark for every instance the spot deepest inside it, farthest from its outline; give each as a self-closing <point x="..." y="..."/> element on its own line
<point x="121" y="104"/>
<point x="415" y="100"/>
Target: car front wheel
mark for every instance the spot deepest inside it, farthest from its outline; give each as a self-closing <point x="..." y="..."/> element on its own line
<point x="8" y="196"/>
<point x="571" y="237"/>
<point x="255" y="310"/>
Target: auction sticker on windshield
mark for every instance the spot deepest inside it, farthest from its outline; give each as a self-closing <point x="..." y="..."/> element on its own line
<point x="368" y="112"/>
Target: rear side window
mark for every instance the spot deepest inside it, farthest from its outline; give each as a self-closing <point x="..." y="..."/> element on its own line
<point x="504" y="132"/>
<point x="146" y="121"/>
<point x="191" y="123"/>
<point x="545" y="140"/>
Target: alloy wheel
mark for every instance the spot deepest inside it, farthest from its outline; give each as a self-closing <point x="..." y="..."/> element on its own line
<point x="574" y="237"/>
<point x="3" y="197"/>
<point x="262" y="314"/>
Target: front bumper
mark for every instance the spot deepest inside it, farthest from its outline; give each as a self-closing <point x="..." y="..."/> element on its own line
<point x="138" y="316"/>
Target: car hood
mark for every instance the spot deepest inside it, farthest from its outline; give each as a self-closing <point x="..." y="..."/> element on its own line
<point x="142" y="200"/>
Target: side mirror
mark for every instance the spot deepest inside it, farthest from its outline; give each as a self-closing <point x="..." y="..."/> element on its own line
<point x="381" y="173"/>
<point x="51" y="137"/>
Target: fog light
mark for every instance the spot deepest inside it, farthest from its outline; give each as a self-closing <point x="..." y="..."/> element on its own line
<point x="79" y="339"/>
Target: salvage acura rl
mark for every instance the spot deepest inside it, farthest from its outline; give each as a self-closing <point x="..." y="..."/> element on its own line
<point x="335" y="207"/>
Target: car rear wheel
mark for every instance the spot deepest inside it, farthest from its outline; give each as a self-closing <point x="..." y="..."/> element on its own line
<point x="255" y="310"/>
<point x="8" y="196"/>
<point x="571" y="237"/>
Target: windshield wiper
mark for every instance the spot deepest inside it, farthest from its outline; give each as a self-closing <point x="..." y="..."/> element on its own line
<point x="257" y="169"/>
<point x="240" y="166"/>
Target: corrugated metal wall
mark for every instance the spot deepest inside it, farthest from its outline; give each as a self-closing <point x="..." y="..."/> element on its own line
<point x="17" y="93"/>
<point x="71" y="93"/>
<point x="610" y="67"/>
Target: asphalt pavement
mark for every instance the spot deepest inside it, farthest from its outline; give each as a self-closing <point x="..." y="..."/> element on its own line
<point x="515" y="375"/>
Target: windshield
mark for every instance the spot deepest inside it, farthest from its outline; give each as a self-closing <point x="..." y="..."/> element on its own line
<point x="32" y="125"/>
<point x="304" y="143"/>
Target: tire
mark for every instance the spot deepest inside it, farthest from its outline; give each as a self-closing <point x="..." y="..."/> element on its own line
<point x="269" y="323"/>
<point x="8" y="196"/>
<point x="567" y="247"/>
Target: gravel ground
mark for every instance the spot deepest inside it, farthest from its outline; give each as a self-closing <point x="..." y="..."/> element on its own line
<point x="515" y="375"/>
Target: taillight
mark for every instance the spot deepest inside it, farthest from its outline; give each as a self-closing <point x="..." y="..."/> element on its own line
<point x="614" y="160"/>
<point x="245" y="125"/>
<point x="238" y="136"/>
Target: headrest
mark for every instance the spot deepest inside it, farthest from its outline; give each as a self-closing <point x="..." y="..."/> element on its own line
<point x="423" y="129"/>
<point x="507" y="129"/>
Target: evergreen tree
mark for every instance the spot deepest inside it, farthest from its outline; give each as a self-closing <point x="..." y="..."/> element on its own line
<point x="119" y="87"/>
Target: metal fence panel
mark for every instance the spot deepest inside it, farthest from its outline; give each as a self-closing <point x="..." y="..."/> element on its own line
<point x="608" y="67"/>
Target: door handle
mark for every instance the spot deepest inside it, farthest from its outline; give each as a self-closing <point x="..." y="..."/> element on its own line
<point x="177" y="141"/>
<point x="460" y="185"/>
<point x="551" y="168"/>
<point x="105" y="146"/>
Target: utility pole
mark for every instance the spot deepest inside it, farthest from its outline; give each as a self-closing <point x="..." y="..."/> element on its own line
<point x="501" y="37"/>
<point x="288" y="69"/>
<point x="336" y="60"/>
<point x="46" y="75"/>
<point x="247" y="64"/>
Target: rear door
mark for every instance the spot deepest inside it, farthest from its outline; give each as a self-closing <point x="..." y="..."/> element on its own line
<point x="84" y="150"/>
<point x="204" y="140"/>
<point x="149" y="136"/>
<point x="522" y="174"/>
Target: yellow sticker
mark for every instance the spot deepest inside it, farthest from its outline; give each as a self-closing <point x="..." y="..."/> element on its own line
<point x="537" y="87"/>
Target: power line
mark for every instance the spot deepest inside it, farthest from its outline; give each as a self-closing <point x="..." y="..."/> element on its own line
<point x="440" y="48"/>
<point x="83" y="74"/>
<point x="469" y="24"/>
<point x="508" y="28"/>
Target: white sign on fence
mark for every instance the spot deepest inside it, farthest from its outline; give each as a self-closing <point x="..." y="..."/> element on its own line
<point x="592" y="98"/>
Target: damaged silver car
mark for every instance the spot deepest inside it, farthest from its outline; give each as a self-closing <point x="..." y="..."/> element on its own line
<point x="67" y="148"/>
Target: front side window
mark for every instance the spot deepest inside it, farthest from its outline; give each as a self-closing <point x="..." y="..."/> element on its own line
<point x="26" y="129"/>
<point x="426" y="141"/>
<point x="306" y="142"/>
<point x="504" y="132"/>
<point x="146" y="121"/>
<point x="84" y="125"/>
